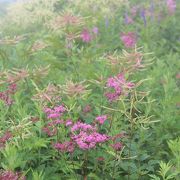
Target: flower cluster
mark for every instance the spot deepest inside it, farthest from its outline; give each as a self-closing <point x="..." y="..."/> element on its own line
<point x="87" y="36"/>
<point x="119" y="85"/>
<point x="117" y="145"/>
<point x="87" y="139"/>
<point x="83" y="136"/>
<point x="65" y="147"/>
<point x="171" y="5"/>
<point x="129" y="39"/>
<point x="101" y="119"/>
<point x="6" y="95"/>
<point x="7" y="135"/>
<point x="10" y="175"/>
<point x="55" y="112"/>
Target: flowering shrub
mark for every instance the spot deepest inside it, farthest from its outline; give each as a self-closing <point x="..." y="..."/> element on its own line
<point x="89" y="90"/>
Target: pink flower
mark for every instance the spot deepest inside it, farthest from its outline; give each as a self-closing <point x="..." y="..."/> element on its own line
<point x="117" y="146"/>
<point x="95" y="30"/>
<point x="171" y="5"/>
<point x="53" y="116"/>
<point x="59" y="109"/>
<point x="55" y="112"/>
<point x="10" y="175"/>
<point x="69" y="123"/>
<point x="86" y="137"/>
<point x="81" y="126"/>
<point x="129" y="39"/>
<point x="119" y="85"/>
<point x="86" y="36"/>
<point x="6" y="95"/>
<point x="101" y="119"/>
<point x="7" y="135"/>
<point x="65" y="147"/>
<point x="89" y="140"/>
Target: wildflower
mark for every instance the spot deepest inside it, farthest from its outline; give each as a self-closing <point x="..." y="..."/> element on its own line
<point x="88" y="140"/>
<point x="101" y="119"/>
<point x="128" y="19"/>
<point x="81" y="126"/>
<point x="143" y="16"/>
<point x="69" y="123"/>
<point x="55" y="112"/>
<point x="129" y="39"/>
<point x="87" y="109"/>
<point x="10" y="175"/>
<point x="86" y="136"/>
<point x="65" y="147"/>
<point x="119" y="85"/>
<point x="7" y="135"/>
<point x="6" y="95"/>
<point x="117" y="146"/>
<point x="86" y="36"/>
<point x="95" y="30"/>
<point x="171" y="5"/>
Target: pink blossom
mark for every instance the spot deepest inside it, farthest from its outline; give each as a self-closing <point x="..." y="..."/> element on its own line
<point x="95" y="30"/>
<point x="59" y="109"/>
<point x="10" y="175"/>
<point x="171" y="5"/>
<point x="54" y="113"/>
<point x="6" y="95"/>
<point x="7" y="135"/>
<point x="117" y="146"/>
<point x="65" y="147"/>
<point x="101" y="119"/>
<point x="86" y="36"/>
<point x="53" y="116"/>
<point x="119" y="85"/>
<point x="69" y="123"/>
<point x="89" y="140"/>
<point x="82" y="126"/>
<point x="129" y="39"/>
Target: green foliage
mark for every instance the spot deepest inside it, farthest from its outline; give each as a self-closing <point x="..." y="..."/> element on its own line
<point x="42" y="51"/>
